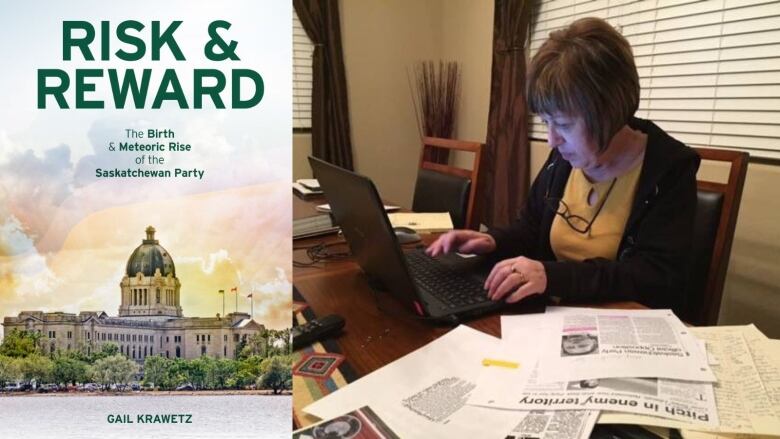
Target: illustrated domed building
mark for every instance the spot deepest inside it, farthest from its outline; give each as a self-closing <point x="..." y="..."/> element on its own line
<point x="150" y="286"/>
<point x="150" y="320"/>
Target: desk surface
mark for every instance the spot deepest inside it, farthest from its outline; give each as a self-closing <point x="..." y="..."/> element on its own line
<point x="372" y="337"/>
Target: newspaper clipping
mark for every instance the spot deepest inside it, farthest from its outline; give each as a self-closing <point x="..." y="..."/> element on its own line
<point x="441" y="400"/>
<point x="692" y="402"/>
<point x="424" y="394"/>
<point x="561" y="424"/>
<point x="607" y="344"/>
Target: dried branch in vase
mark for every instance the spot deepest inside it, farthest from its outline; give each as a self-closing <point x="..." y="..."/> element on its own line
<point x="437" y="98"/>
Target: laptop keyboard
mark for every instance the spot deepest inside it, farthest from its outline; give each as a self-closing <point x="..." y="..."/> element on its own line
<point x="453" y="288"/>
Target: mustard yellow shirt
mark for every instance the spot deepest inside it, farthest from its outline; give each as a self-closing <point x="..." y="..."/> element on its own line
<point x="603" y="238"/>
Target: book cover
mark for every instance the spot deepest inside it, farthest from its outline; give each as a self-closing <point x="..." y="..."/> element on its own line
<point x="145" y="219"/>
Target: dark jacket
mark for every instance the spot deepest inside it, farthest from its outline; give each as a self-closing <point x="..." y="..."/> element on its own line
<point x="653" y="252"/>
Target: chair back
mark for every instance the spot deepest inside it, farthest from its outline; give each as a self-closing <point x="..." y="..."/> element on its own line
<point x="446" y="188"/>
<point x="716" y="218"/>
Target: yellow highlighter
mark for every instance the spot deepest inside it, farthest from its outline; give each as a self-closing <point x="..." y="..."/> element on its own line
<point x="500" y="363"/>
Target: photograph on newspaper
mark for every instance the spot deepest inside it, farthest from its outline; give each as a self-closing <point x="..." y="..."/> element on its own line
<point x="591" y="344"/>
<point x="362" y="423"/>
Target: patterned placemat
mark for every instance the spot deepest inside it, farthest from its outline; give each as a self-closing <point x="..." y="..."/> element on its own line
<point x="318" y="370"/>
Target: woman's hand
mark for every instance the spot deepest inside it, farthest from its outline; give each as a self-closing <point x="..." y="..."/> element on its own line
<point x="462" y="241"/>
<point x="519" y="277"/>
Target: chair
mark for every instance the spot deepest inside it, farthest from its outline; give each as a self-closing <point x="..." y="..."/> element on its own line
<point x="446" y="188"/>
<point x="716" y="219"/>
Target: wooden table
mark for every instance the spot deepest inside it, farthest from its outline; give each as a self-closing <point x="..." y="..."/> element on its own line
<point x="372" y="337"/>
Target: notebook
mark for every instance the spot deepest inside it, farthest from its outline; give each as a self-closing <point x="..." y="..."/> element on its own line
<point x="305" y="192"/>
<point x="313" y="226"/>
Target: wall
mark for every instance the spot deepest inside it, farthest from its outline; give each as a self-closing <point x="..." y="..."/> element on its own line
<point x="752" y="292"/>
<point x="301" y="150"/>
<point x="468" y="39"/>
<point x="381" y="41"/>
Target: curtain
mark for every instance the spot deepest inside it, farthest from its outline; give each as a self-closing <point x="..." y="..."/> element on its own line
<point x="330" y="132"/>
<point x="507" y="153"/>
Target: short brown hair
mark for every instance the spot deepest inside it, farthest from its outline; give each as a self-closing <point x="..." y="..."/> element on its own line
<point x="586" y="69"/>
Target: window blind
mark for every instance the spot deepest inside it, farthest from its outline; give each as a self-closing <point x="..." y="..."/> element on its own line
<point x="709" y="69"/>
<point x="302" y="76"/>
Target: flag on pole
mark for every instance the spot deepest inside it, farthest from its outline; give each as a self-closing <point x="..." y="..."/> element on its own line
<point x="221" y="291"/>
<point x="249" y="296"/>
<point x="234" y="290"/>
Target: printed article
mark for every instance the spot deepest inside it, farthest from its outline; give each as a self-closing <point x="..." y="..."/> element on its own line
<point x="561" y="424"/>
<point x="595" y="344"/>
<point x="686" y="401"/>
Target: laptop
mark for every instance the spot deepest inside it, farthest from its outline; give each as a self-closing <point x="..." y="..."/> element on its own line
<point x="447" y="288"/>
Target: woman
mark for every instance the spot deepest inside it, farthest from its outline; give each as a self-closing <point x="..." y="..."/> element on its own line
<point x="610" y="215"/>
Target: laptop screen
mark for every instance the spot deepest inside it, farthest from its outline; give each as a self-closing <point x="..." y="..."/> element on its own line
<point x="358" y="210"/>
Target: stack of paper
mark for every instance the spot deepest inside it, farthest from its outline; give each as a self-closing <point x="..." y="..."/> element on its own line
<point x="747" y="366"/>
<point x="644" y="362"/>
<point x="553" y="374"/>
<point x="309" y="183"/>
<point x="424" y="395"/>
<point x="307" y="187"/>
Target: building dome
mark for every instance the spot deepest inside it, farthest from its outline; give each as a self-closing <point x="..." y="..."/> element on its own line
<point x="149" y="256"/>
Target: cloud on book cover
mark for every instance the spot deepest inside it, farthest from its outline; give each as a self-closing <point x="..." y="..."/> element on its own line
<point x="209" y="263"/>
<point x="29" y="275"/>
<point x="32" y="189"/>
<point x="39" y="185"/>
<point x="236" y="237"/>
<point x="272" y="298"/>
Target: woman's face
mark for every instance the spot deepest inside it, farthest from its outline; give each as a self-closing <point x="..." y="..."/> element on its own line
<point x="578" y="344"/>
<point x="569" y="136"/>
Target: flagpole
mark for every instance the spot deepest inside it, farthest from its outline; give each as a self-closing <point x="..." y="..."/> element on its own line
<point x="251" y="297"/>
<point x="252" y="304"/>
<point x="236" y="290"/>
<point x="223" y="302"/>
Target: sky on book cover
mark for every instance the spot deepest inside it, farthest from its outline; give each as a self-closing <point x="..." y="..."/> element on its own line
<point x="67" y="230"/>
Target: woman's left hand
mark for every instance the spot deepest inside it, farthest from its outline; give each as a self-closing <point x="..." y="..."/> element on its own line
<point x="519" y="277"/>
